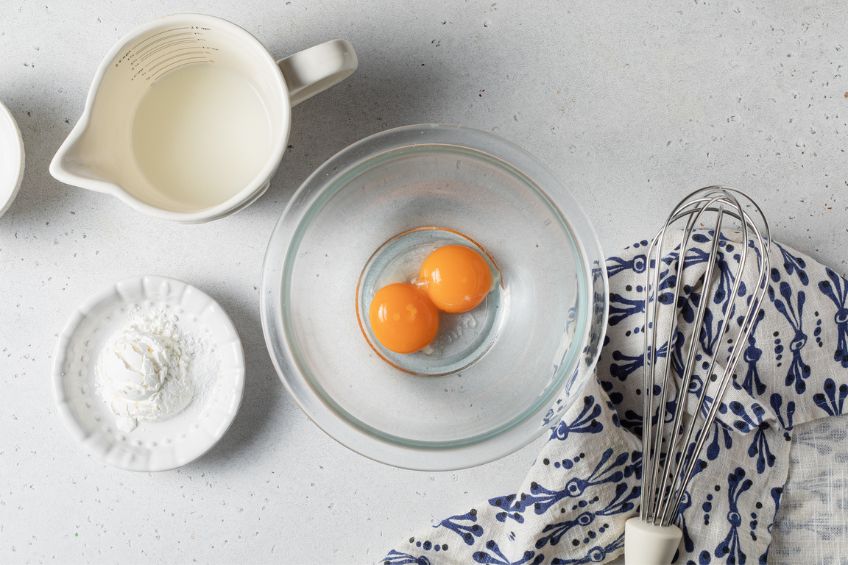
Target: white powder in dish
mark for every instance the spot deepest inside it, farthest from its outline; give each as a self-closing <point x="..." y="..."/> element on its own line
<point x="150" y="370"/>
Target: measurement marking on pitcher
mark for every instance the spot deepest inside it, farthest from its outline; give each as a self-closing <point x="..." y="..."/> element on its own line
<point x="132" y="48"/>
<point x="193" y="49"/>
<point x="167" y="50"/>
<point x="179" y="64"/>
<point x="152" y="50"/>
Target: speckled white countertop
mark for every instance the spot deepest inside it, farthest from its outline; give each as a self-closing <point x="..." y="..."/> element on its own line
<point x="632" y="104"/>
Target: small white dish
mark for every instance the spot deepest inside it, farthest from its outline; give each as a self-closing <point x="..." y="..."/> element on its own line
<point x="11" y="159"/>
<point x="151" y="446"/>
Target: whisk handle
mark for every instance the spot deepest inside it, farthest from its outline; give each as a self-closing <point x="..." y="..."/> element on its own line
<point x="647" y="544"/>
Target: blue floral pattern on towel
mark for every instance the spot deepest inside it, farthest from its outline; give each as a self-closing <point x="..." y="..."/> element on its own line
<point x="585" y="484"/>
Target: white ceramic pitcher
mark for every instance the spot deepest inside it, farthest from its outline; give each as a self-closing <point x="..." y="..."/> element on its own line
<point x="188" y="117"/>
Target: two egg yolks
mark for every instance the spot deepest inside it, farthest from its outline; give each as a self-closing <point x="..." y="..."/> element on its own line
<point x="404" y="317"/>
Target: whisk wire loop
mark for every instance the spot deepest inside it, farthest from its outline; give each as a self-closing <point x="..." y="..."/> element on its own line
<point x="671" y="447"/>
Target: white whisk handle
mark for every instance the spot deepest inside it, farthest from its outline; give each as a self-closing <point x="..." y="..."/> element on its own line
<point x="647" y="544"/>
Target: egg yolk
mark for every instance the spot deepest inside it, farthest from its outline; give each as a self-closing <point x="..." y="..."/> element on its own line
<point x="456" y="278"/>
<point x="402" y="318"/>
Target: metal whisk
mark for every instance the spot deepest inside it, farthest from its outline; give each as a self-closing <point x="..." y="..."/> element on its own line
<point x="722" y="229"/>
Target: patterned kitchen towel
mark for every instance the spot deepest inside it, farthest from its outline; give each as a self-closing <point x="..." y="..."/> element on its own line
<point x="572" y="505"/>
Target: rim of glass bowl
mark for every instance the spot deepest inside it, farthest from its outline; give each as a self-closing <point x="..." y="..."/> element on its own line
<point x="332" y="176"/>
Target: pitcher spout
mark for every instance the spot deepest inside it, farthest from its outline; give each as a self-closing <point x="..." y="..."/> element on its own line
<point x="80" y="162"/>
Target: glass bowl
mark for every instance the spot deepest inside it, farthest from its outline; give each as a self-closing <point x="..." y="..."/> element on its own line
<point x="532" y="345"/>
<point x="462" y="338"/>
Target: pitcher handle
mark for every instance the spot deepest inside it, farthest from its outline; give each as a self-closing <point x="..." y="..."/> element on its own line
<point x="316" y="69"/>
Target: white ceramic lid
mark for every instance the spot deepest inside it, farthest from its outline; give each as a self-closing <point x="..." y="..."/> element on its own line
<point x="11" y="159"/>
